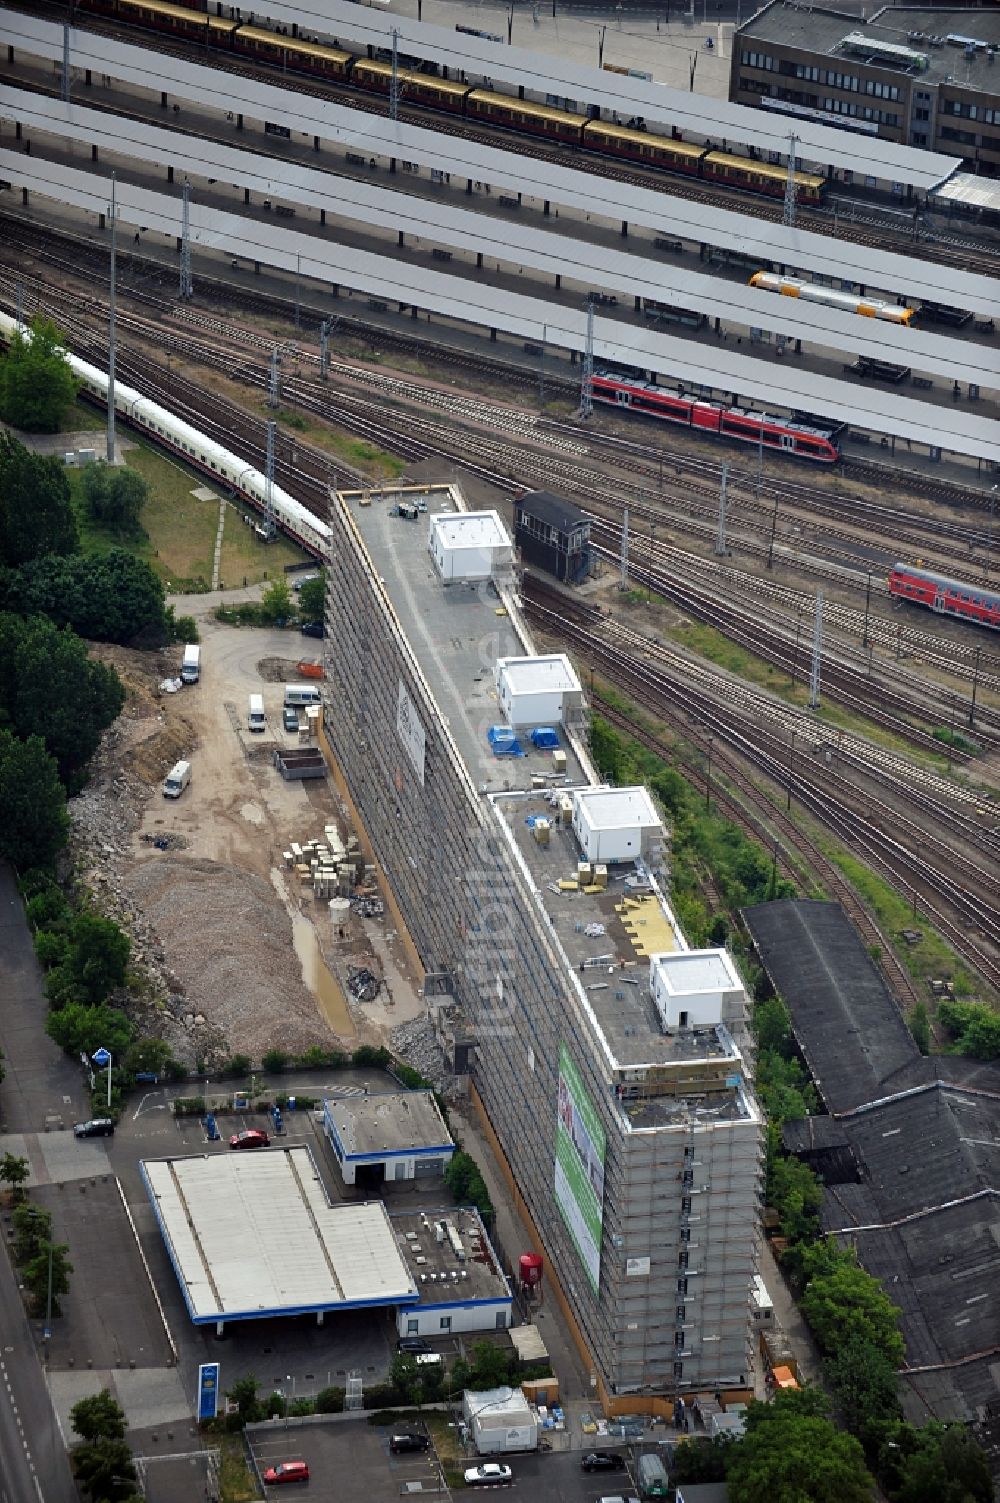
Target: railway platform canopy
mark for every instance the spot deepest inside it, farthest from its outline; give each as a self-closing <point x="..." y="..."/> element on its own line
<point x="549" y="76"/>
<point x="254" y="1235"/>
<point x="706" y="367"/>
<point x="538" y="178"/>
<point x="399" y="216"/>
<point x="970" y="191"/>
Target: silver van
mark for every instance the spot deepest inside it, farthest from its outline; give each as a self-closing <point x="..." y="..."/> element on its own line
<point x="255" y="714"/>
<point x="177" y="780"/>
<point x="298" y="695"/>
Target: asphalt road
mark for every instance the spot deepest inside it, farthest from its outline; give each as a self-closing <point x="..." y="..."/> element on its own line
<point x="40" y="1084"/>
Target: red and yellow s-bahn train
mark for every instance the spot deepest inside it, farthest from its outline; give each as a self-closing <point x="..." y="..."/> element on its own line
<point x="948" y="597"/>
<point x="632" y="143"/>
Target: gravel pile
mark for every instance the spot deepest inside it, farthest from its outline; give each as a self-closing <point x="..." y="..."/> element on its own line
<point x="417" y="1044"/>
<point x="211" y="918"/>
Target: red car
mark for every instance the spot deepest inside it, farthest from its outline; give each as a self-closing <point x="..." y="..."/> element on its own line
<point x="287" y="1471"/>
<point x="252" y="1138"/>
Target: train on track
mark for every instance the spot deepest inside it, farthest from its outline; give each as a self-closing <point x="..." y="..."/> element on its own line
<point x="799" y="437"/>
<point x="224" y="468"/>
<point x="296" y="55"/>
<point x="948" y="597"/>
<point x="849" y="302"/>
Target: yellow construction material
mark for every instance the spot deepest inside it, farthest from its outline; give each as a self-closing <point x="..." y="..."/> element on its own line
<point x="646" y="926"/>
<point x="568" y="884"/>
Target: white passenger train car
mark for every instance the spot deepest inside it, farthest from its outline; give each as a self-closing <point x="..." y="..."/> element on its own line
<point x="850" y="302"/>
<point x="184" y="440"/>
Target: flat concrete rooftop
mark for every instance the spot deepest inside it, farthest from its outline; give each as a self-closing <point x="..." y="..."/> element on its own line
<point x="441" y="1276"/>
<point x="612" y="961"/>
<point x="457" y="632"/>
<point x="389" y="1122"/>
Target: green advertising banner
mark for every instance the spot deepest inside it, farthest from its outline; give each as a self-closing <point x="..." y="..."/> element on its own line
<point x="580" y="1148"/>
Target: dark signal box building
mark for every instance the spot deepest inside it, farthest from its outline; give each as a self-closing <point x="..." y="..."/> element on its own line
<point x="553" y="535"/>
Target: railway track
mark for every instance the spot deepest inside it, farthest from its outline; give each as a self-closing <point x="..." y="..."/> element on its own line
<point x="970" y="924"/>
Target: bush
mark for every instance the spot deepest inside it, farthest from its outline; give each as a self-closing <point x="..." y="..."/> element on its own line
<point x="411" y="1078"/>
<point x="236" y="1064"/>
<point x="274" y="1061"/>
<point x="368" y="1057"/>
<point x="381" y="1396"/>
<point x="330" y="1401"/>
<point x="189" y="1106"/>
<point x="51" y="948"/>
<point x="318" y="1058"/>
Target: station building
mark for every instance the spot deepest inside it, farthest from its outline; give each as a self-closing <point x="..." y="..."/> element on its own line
<point x="921" y="76"/>
<point x="387" y="1136"/>
<point x="610" y="1064"/>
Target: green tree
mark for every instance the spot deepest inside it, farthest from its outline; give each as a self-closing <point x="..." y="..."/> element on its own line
<point x="32" y="1231"/>
<point x="490" y="1365"/>
<point x="114" y="497"/>
<point x="50" y="688"/>
<point x="245" y="1396"/>
<point x="702" y="1460"/>
<point x="797" y="1196"/>
<point x="99" y="1415"/>
<point x="844" y="1302"/>
<point x="81" y="1030"/>
<point x="104" y="1469"/>
<point x="36" y="1271"/>
<point x="791" y="1453"/>
<point x="920" y="1027"/>
<point x="940" y="1462"/>
<point x="36" y="383"/>
<point x="975" y="1026"/>
<point x="772" y="1026"/>
<point x="35" y="824"/>
<point x="312" y="599"/>
<point x="98" y="957"/>
<point x="146" y="1056"/>
<point x="404" y="1375"/>
<point x="106" y="597"/>
<point x="14" y="1170"/>
<point x="865" y="1388"/>
<point x="276" y="603"/>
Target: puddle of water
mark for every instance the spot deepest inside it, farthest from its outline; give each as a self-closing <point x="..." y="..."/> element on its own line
<point x="318" y="978"/>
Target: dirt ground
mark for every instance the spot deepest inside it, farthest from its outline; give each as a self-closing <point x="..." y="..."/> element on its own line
<point x="251" y="957"/>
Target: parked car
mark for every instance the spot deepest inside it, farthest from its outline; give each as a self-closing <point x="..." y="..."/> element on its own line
<point x="602" y="1461"/>
<point x="290" y="720"/>
<point x="98" y="1127"/>
<point x="303" y="579"/>
<point x="254" y="1137"/>
<point x="287" y="1471"/>
<point x="488" y="1471"/>
<point x="414" y="1344"/>
<point x="312" y="629"/>
<point x="406" y="1440"/>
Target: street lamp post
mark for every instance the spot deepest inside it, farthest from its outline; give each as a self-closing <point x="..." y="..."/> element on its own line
<point x="101" y="1057"/>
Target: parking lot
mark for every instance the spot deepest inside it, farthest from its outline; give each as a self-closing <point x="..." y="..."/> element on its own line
<point x="347" y="1457"/>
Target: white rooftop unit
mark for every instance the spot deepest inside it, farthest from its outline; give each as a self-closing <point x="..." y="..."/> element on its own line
<point x="691" y="989"/>
<point x="616" y="824"/>
<point x="470" y="545"/>
<point x="539" y="691"/>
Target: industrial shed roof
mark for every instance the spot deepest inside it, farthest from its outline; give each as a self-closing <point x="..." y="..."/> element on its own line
<point x="564" y="327"/>
<point x="388" y="1123"/>
<point x="847" y="1025"/>
<point x="699" y="116"/>
<point x="534" y="177"/>
<point x="253" y="1235"/>
<point x="546" y="252"/>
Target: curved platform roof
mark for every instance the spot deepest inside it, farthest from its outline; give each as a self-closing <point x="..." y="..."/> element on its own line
<point x="549" y="254"/>
<point x="705" y="364"/>
<point x="695" y="114"/>
<point x="375" y="135"/>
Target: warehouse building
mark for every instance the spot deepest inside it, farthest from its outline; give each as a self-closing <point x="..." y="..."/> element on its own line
<point x="633" y="1147"/>
<point x="920" y="76"/>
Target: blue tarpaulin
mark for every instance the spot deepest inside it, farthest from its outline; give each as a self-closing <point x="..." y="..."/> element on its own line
<point x="503" y="741"/>
<point x="545" y="738"/>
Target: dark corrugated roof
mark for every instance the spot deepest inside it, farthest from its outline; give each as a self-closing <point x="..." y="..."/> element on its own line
<point x="847" y="1025"/>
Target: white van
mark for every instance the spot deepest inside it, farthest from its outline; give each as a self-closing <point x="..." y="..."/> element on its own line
<point x="191" y="664"/>
<point x="298" y="695"/>
<point x="177" y="780"/>
<point x="255" y="715"/>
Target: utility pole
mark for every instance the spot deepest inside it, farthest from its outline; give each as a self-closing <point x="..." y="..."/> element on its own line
<point x="788" y="213"/>
<point x="65" y="77"/>
<point x="111" y="321"/>
<point x="975" y="686"/>
<point x="600" y="46"/>
<point x="868" y="601"/>
<point x="817" y="651"/>
<point x="541" y="368"/>
<point x="270" y="525"/>
<point x="274" y="381"/>
<point x="587" y="383"/>
<point x="624" y="579"/>
<point x="394" y="78"/>
<point x="187" y="289"/>
<point x="720" y="540"/>
<point x="325" y="330"/>
<point x="298" y="273"/>
<point x="19" y="304"/>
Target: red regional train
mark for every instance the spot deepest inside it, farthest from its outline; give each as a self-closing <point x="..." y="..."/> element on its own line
<point x="787" y="435"/>
<point x="946" y="596"/>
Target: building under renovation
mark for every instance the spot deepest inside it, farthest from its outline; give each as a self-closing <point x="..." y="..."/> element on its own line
<point x="608" y="1060"/>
